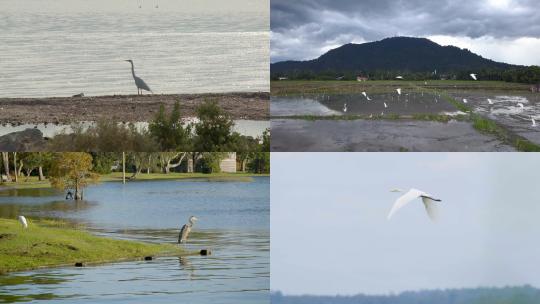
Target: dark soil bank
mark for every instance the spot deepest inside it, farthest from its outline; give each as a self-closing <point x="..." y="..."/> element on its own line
<point x="126" y="108"/>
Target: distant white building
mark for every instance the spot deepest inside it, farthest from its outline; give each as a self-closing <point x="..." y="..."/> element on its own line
<point x="228" y="164"/>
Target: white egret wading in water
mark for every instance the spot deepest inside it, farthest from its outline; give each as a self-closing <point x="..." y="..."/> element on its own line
<point x="427" y="199"/>
<point x="186" y="229"/>
<point x="141" y="85"/>
<point x="23" y="221"/>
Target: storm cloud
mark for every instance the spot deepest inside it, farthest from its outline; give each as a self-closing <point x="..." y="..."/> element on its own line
<point x="504" y="30"/>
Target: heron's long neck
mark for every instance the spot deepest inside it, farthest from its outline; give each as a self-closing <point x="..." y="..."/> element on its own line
<point x="191" y="222"/>
<point x="132" y="69"/>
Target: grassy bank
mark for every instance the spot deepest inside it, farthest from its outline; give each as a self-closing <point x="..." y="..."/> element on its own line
<point x="281" y="88"/>
<point x="49" y="243"/>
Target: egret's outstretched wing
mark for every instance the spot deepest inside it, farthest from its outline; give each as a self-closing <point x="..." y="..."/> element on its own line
<point x="404" y="200"/>
<point x="431" y="207"/>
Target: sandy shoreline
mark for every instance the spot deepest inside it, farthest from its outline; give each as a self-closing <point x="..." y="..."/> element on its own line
<point x="126" y="108"/>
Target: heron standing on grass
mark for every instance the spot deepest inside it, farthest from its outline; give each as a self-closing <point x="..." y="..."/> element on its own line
<point x="186" y="229"/>
<point x="141" y="85"/>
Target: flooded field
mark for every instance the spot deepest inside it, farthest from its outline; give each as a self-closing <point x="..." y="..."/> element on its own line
<point x="515" y="112"/>
<point x="379" y="135"/>
<point x="234" y="224"/>
<point x="406" y="103"/>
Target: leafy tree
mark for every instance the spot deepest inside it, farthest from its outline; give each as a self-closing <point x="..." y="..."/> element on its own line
<point x="169" y="132"/>
<point x="166" y="160"/>
<point x="72" y="170"/>
<point x="214" y="131"/>
<point x="102" y="162"/>
<point x="210" y="161"/>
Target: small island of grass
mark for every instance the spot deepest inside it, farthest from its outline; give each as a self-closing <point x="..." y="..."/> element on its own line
<point x="47" y="243"/>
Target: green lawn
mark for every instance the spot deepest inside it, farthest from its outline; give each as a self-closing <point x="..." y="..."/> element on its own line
<point x="47" y="243"/>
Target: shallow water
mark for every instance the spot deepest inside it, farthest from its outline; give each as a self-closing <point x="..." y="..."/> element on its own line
<point x="379" y="135"/>
<point x="334" y="104"/>
<point x="234" y="224"/>
<point x="54" y="52"/>
<point x="507" y="111"/>
<point x="253" y="128"/>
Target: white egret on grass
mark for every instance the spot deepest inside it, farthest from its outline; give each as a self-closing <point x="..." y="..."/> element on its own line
<point x="370" y="115"/>
<point x="398" y="91"/>
<point x="186" y="229"/>
<point x="473" y="76"/>
<point x="464" y="100"/>
<point x="427" y="199"/>
<point x="23" y="221"/>
<point x="345" y="108"/>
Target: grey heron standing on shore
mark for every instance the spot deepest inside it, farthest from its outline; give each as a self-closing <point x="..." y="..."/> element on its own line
<point x="186" y="229"/>
<point x="141" y="85"/>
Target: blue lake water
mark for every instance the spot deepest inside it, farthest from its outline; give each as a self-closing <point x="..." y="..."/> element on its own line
<point x="234" y="224"/>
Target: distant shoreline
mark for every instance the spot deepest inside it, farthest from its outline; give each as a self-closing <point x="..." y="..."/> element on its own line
<point x="127" y="108"/>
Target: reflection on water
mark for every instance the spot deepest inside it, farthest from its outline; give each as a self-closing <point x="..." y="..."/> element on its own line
<point x="234" y="225"/>
<point x="334" y="104"/>
<point x="512" y="111"/>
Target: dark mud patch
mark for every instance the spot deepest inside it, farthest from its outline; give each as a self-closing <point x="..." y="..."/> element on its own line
<point x="380" y="135"/>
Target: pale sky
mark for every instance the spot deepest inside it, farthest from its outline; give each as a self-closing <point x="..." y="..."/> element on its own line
<point x="330" y="235"/>
<point x="502" y="30"/>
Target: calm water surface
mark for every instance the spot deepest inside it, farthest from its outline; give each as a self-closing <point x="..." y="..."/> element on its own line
<point x="50" y="50"/>
<point x="234" y="224"/>
<point x="356" y="104"/>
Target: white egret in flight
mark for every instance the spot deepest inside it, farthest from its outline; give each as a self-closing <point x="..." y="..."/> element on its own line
<point x="427" y="199"/>
<point x="473" y="76"/>
<point x="23" y="221"/>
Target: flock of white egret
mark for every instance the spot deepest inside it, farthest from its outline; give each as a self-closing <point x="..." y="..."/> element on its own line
<point x="465" y="101"/>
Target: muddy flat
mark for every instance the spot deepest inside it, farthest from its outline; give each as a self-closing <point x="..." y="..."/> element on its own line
<point x="126" y="108"/>
<point x="379" y="135"/>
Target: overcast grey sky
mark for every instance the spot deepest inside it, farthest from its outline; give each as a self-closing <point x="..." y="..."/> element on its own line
<point x="503" y="30"/>
<point x="329" y="233"/>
